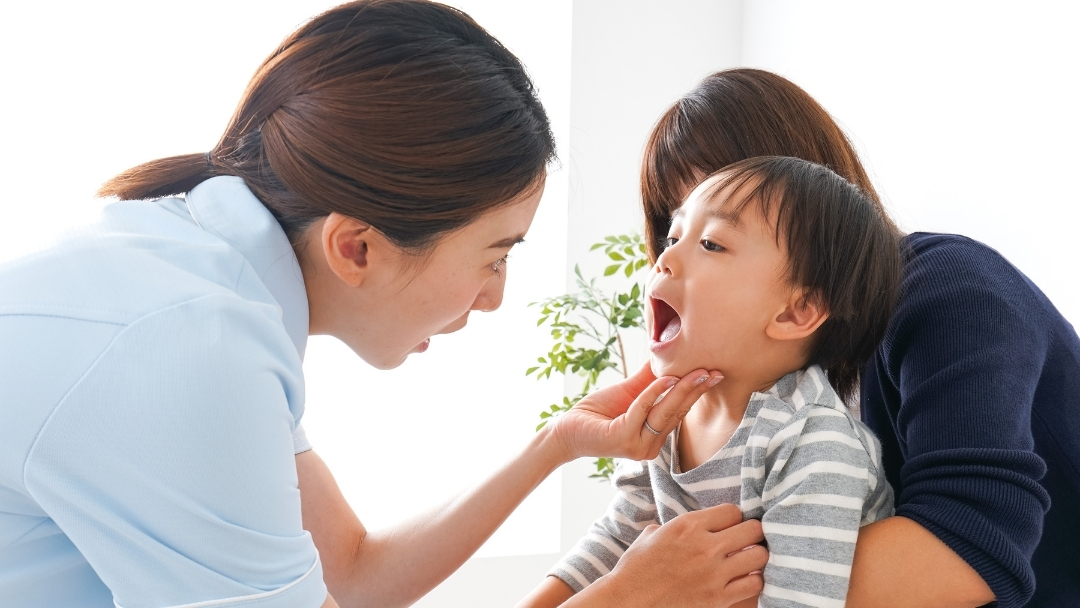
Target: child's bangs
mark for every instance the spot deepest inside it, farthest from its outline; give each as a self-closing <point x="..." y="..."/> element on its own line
<point x="752" y="183"/>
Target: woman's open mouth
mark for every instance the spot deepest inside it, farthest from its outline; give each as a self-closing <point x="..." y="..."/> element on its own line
<point x="666" y="322"/>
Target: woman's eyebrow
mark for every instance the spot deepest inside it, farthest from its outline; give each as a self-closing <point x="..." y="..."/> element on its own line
<point x="508" y="242"/>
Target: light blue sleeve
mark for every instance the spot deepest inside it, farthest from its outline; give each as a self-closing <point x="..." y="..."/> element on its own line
<point x="170" y="464"/>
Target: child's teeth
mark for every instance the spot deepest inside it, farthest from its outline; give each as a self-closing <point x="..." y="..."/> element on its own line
<point x="671" y="330"/>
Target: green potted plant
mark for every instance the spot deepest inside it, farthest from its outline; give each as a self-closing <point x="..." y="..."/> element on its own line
<point x="588" y="327"/>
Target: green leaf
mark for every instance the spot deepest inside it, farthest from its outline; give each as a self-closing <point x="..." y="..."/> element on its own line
<point x="596" y="246"/>
<point x="635" y="292"/>
<point x="616" y="257"/>
<point x="629" y="270"/>
<point x="531" y="370"/>
<point x="610" y="270"/>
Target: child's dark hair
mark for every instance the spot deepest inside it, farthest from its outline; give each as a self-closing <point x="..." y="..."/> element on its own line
<point x="840" y="246"/>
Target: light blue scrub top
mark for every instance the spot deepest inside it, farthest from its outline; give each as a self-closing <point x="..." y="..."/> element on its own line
<point x="150" y="387"/>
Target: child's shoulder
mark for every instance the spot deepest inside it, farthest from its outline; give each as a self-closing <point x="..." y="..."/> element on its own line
<point x="803" y="409"/>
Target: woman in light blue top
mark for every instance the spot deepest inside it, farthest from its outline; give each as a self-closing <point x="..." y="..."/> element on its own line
<point x="381" y="164"/>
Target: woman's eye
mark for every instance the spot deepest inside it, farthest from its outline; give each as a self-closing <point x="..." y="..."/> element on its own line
<point x="497" y="266"/>
<point x="708" y="245"/>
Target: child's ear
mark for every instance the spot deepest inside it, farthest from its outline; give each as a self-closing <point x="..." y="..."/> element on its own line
<point x="349" y="247"/>
<point x="802" y="315"/>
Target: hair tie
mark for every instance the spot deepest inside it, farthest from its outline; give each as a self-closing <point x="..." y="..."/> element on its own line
<point x="209" y="163"/>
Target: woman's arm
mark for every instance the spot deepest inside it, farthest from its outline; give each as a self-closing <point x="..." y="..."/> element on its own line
<point x="399" y="565"/>
<point x="899" y="563"/>
<point x="951" y="394"/>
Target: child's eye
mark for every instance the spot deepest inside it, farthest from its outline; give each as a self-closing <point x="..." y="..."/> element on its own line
<point x="668" y="242"/>
<point x="708" y="245"/>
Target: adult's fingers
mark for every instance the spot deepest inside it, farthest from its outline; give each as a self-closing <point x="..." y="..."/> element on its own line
<point x="744" y="587"/>
<point x="668" y="411"/>
<point x="639" y="409"/>
<point x="746" y="560"/>
<point x="715" y="519"/>
<point x="639" y="380"/>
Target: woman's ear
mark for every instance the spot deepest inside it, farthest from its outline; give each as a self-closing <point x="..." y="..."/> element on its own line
<point x="802" y="315"/>
<point x="348" y="246"/>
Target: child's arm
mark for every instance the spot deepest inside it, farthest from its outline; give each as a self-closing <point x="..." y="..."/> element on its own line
<point x="820" y="486"/>
<point x="550" y="593"/>
<point x="631" y="511"/>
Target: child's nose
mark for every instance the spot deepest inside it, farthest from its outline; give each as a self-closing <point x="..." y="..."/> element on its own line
<point x="667" y="262"/>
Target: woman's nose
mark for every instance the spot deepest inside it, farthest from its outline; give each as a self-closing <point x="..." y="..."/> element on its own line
<point x="491" y="296"/>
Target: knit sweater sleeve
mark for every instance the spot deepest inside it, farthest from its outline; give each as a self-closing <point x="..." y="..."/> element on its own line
<point x="965" y="351"/>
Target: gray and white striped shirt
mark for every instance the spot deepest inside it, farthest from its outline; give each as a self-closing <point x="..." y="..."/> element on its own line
<point x="798" y="461"/>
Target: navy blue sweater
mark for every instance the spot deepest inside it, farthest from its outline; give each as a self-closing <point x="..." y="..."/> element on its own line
<point x="975" y="394"/>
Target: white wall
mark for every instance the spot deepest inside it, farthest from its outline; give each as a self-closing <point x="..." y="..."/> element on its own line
<point x="965" y="112"/>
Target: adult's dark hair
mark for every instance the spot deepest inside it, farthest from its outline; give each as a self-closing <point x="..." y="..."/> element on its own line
<point x="403" y="114"/>
<point x="840" y="246"/>
<point x="731" y="116"/>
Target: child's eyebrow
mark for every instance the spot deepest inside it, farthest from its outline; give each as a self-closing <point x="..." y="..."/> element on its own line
<point x="728" y="216"/>
<point x="717" y="212"/>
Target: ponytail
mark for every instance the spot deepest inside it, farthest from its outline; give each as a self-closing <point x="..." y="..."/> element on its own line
<point x="160" y="178"/>
<point x="403" y="114"/>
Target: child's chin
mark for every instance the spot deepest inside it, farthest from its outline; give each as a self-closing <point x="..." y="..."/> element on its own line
<point x="663" y="367"/>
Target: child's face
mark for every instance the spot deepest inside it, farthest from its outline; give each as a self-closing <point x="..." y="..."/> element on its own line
<point x="715" y="288"/>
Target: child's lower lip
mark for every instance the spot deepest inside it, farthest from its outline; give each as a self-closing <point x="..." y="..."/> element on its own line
<point x="667" y="335"/>
<point x="657" y="347"/>
<point x="423" y="346"/>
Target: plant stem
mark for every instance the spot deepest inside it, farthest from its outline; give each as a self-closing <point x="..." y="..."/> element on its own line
<point x="622" y="354"/>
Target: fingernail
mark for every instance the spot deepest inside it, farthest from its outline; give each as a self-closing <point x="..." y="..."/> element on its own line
<point x="701" y="379"/>
<point x="715" y="381"/>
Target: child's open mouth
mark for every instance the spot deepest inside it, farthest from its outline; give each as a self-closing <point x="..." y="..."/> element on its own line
<point x="666" y="322"/>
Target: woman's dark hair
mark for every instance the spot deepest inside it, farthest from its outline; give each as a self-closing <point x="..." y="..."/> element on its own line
<point x="732" y="116"/>
<point x="403" y="114"/>
<point x="840" y="246"/>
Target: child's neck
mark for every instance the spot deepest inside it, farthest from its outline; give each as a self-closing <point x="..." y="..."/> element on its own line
<point x="712" y="421"/>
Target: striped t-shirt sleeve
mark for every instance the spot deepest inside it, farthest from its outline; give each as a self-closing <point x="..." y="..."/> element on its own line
<point x="631" y="511"/>
<point x="822" y="484"/>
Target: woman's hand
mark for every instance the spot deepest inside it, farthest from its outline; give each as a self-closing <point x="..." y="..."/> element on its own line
<point x="616" y="421"/>
<point x="704" y="558"/>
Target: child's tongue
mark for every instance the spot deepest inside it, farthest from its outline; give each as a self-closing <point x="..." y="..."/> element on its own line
<point x="671" y="330"/>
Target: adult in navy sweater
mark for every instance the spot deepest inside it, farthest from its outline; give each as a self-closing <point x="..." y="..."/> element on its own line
<point x="975" y="395"/>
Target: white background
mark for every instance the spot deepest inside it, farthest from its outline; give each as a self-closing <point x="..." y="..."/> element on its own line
<point x="965" y="113"/>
